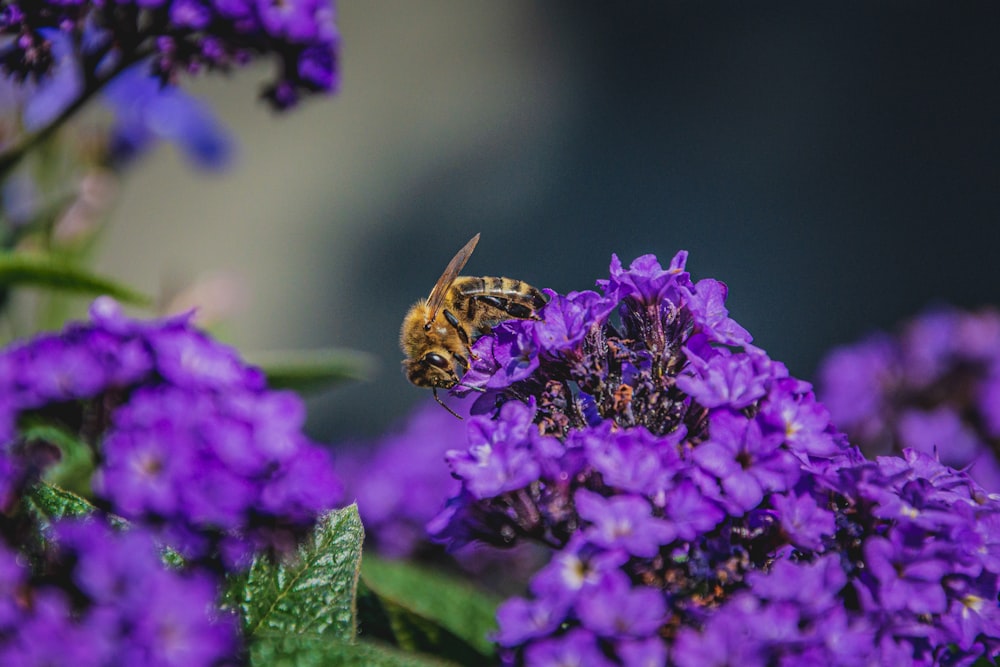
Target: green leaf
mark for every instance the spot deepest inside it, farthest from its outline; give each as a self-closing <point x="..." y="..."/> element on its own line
<point x="310" y="371"/>
<point x="43" y="504"/>
<point x="50" y="503"/>
<point x="427" y="611"/>
<point x="35" y="270"/>
<point x="320" y="652"/>
<point x="313" y="596"/>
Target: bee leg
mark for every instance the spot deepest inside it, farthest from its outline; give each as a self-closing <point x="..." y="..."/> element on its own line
<point x="512" y="308"/>
<point x="441" y="403"/>
<point x="453" y="321"/>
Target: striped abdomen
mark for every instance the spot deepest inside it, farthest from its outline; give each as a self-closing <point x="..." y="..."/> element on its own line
<point x="483" y="302"/>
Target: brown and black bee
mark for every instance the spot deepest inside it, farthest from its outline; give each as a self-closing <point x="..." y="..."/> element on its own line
<point x="437" y="332"/>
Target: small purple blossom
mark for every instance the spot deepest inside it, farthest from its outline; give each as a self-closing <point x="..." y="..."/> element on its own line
<point x="723" y="380"/>
<point x="804" y="521"/>
<point x="711" y="317"/>
<point x="500" y="456"/>
<point x="747" y="463"/>
<point x="623" y="521"/>
<point x="908" y="577"/>
<point x="522" y="619"/>
<point x="577" y="648"/>
<point x="614" y="608"/>
<point x="565" y="320"/>
<point x="646" y="282"/>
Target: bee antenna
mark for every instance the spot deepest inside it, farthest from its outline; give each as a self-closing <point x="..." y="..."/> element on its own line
<point x="441" y="403"/>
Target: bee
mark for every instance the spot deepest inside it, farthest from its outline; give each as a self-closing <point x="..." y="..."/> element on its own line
<point x="437" y="333"/>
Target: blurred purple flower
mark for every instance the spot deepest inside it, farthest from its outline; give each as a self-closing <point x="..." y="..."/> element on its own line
<point x="934" y="386"/>
<point x="126" y="609"/>
<point x="400" y="482"/>
<point x="51" y="95"/>
<point x="146" y="109"/>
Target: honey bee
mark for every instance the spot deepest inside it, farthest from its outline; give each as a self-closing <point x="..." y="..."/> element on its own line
<point x="437" y="333"/>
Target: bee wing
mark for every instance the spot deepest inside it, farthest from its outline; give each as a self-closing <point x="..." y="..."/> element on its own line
<point x="456" y="264"/>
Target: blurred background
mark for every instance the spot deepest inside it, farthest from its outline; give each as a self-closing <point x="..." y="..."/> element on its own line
<point x="836" y="164"/>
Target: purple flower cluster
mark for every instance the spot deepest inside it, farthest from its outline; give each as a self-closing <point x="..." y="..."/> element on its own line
<point x="104" y="599"/>
<point x="933" y="387"/>
<point x="178" y="36"/>
<point x="699" y="504"/>
<point x="187" y="438"/>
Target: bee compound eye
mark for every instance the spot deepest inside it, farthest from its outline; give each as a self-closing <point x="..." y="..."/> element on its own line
<point x="435" y="359"/>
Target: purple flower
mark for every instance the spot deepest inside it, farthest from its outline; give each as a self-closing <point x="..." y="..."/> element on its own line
<point x="500" y="456"/>
<point x="908" y="578"/>
<point x="646" y="281"/>
<point x="625" y="521"/>
<point x="522" y="619"/>
<point x="971" y="615"/>
<point x="724" y="381"/>
<point x="613" y="608"/>
<point x="297" y="20"/>
<point x="515" y="352"/>
<point x="206" y="464"/>
<point x="720" y="644"/>
<point x="318" y="67"/>
<point x="814" y="586"/>
<point x="634" y="460"/>
<point x="567" y="319"/>
<point x="747" y="463"/>
<point x="574" y="569"/>
<point x="793" y="412"/>
<point x="649" y="652"/>
<point x="804" y="521"/>
<point x="691" y="512"/>
<point x="146" y="109"/>
<point x="190" y="14"/>
<point x="577" y="648"/>
<point x="707" y="302"/>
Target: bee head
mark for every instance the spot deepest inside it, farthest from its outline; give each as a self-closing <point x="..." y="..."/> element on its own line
<point x="431" y="370"/>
